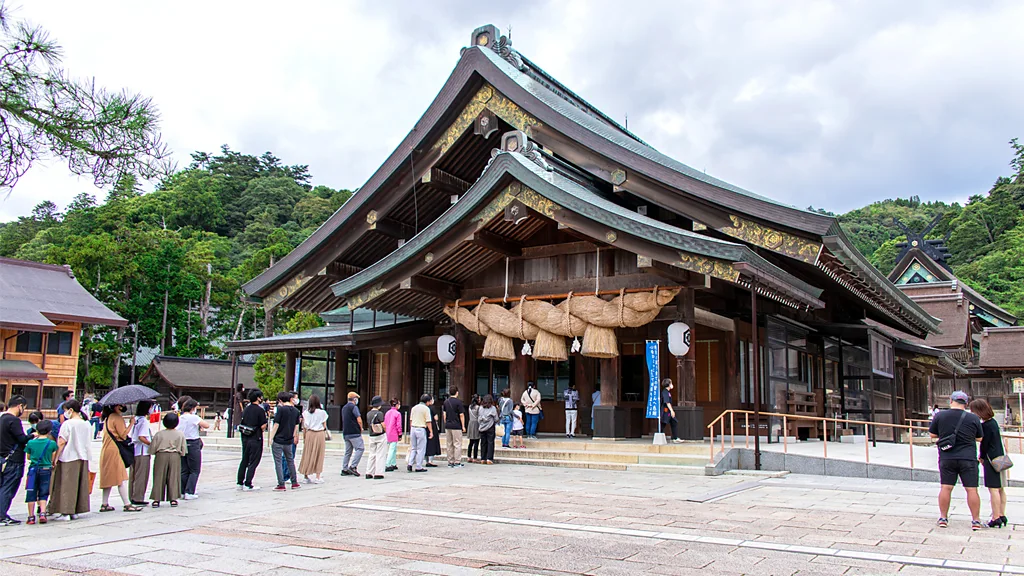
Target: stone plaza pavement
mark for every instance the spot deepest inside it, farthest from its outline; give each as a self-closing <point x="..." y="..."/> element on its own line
<point x="507" y="519"/>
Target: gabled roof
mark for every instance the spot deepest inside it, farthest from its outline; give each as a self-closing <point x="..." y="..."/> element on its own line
<point x="724" y="259"/>
<point x="915" y="261"/>
<point x="21" y="370"/>
<point x="198" y="373"/>
<point x="1002" y="348"/>
<point x="35" y="297"/>
<point x="543" y="107"/>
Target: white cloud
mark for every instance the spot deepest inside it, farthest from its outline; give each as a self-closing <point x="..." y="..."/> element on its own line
<point x="826" y="103"/>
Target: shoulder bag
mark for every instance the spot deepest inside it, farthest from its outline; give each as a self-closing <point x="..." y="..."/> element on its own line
<point x="1000" y="463"/>
<point x="949" y="440"/>
<point x="125" y="448"/>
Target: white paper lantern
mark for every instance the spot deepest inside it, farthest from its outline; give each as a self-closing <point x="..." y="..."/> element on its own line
<point x="679" y="339"/>
<point x="446" y="348"/>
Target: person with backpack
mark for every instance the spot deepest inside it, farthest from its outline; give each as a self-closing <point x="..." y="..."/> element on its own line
<point x="957" y="433"/>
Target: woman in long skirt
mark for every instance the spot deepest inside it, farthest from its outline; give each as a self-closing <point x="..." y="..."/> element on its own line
<point x="113" y="472"/>
<point x="138" y="475"/>
<point x="69" y="491"/>
<point x="314" y="441"/>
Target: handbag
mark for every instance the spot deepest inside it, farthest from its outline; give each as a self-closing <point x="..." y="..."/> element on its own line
<point x="245" y="430"/>
<point x="499" y="430"/>
<point x="1001" y="463"/>
<point x="125" y="448"/>
<point x="946" y="442"/>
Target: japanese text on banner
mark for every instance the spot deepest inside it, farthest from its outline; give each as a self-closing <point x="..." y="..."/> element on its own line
<point x="654" y="373"/>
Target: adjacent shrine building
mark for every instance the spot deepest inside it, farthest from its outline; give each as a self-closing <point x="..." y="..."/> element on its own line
<point x="553" y="243"/>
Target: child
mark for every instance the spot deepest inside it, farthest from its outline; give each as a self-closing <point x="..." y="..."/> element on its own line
<point x="167" y="448"/>
<point x="40" y="451"/>
<point x="517" y="427"/>
<point x="216" y="421"/>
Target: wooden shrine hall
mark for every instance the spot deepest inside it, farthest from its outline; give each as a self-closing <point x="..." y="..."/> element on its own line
<point x="553" y="244"/>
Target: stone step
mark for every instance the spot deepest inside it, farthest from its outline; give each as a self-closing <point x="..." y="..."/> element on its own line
<point x="580" y="445"/>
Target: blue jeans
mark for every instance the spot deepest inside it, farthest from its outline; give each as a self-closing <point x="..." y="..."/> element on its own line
<point x="507" y="423"/>
<point x="10" y="480"/>
<point x="284" y="465"/>
<point x="532" y="420"/>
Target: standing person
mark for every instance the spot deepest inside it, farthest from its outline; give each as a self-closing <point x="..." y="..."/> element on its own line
<point x="595" y="400"/>
<point x="393" y="430"/>
<point x="434" y="441"/>
<point x="40" y="452"/>
<point x="284" y="434"/>
<point x="12" y="455"/>
<point x="505" y="404"/>
<point x="957" y="432"/>
<point x="378" y="440"/>
<point x="192" y="463"/>
<point x="352" y="433"/>
<point x="572" y="405"/>
<point x="473" y="429"/>
<point x="668" y="413"/>
<point x="237" y="406"/>
<point x="419" y="433"/>
<point x="67" y="395"/>
<point x="531" y="403"/>
<point x="69" y="485"/>
<point x="517" y="427"/>
<point x="138" y="477"/>
<point x="487" y="418"/>
<point x="113" y="472"/>
<point x="297" y="404"/>
<point x="991" y="447"/>
<point x="96" y="413"/>
<point x="454" y="428"/>
<point x="935" y="410"/>
<point x="252" y="423"/>
<point x="168" y="449"/>
<point x="314" y="441"/>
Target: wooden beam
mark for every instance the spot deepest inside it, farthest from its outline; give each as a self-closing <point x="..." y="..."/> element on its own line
<point x="446" y="182"/>
<point x="496" y="243"/>
<point x="627" y="281"/>
<point x="392" y="228"/>
<point x="567" y="248"/>
<point x="432" y="287"/>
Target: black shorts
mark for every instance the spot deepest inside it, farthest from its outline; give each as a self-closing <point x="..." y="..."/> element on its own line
<point x="965" y="470"/>
<point x="993" y="479"/>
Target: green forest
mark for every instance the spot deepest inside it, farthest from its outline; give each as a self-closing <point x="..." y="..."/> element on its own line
<point x="209" y="228"/>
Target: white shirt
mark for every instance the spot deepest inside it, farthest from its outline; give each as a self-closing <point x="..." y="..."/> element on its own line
<point x="315" y="420"/>
<point x="78" y="435"/>
<point x="141" y="430"/>
<point x="188" y="423"/>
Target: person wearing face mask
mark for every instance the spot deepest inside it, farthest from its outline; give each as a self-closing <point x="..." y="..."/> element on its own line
<point x="531" y="404"/>
<point x="69" y="485"/>
<point x="12" y="455"/>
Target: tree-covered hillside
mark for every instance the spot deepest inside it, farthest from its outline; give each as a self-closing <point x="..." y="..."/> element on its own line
<point x="985" y="236"/>
<point x="217" y="223"/>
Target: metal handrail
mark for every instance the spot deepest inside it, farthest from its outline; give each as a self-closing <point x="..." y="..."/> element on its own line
<point x="785" y="420"/>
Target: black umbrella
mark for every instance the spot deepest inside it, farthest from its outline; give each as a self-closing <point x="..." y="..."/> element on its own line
<point x="129" y="394"/>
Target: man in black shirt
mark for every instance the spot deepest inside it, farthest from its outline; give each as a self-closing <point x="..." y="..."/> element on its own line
<point x="254" y="417"/>
<point x="352" y="433"/>
<point x="284" y="435"/>
<point x="454" y="428"/>
<point x="957" y="433"/>
<point x="12" y="455"/>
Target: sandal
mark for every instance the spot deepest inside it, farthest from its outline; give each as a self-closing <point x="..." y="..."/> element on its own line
<point x="31" y="521"/>
<point x="42" y="518"/>
<point x="132" y="508"/>
<point x="174" y="503"/>
<point x="155" y="504"/>
<point x="106" y="508"/>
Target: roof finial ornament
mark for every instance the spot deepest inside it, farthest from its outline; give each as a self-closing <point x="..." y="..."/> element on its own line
<point x="490" y="37"/>
<point x="518" y="141"/>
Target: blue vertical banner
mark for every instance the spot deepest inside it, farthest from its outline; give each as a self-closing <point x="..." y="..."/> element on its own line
<point x="654" y="375"/>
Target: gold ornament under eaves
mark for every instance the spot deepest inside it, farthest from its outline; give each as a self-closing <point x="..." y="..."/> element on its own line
<point x="513" y="192"/>
<point x="774" y="240"/>
<point x="486" y="98"/>
<point x="708" y="266"/>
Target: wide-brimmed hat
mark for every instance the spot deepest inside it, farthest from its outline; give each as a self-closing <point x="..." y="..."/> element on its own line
<point x="376" y="402"/>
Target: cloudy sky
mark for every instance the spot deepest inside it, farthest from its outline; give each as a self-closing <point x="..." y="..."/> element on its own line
<point x="831" y="104"/>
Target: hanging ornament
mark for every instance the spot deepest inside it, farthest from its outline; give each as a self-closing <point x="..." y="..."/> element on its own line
<point x="527" y="349"/>
<point x="576" y="345"/>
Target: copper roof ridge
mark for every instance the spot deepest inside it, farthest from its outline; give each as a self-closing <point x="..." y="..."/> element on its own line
<point x="40" y="265"/>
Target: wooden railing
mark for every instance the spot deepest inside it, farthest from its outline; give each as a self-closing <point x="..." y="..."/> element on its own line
<point x="731" y="416"/>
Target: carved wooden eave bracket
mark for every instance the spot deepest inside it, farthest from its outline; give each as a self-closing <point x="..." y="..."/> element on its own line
<point x="775" y="240"/>
<point x="486" y="99"/>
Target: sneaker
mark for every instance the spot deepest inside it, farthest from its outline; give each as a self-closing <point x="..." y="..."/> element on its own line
<point x="450" y="465"/>
<point x="420" y="470"/>
<point x="190" y="497"/>
<point x="378" y="477"/>
<point x="976" y="525"/>
<point x="42" y="518"/>
<point x="296" y="485"/>
<point x="346" y="472"/>
<point x="317" y="480"/>
<point x="10" y="521"/>
<point x="307" y="480"/>
<point x="279" y="488"/>
<point x="409" y="468"/>
<point x="942" y="523"/>
<point x="459" y="465"/>
<point x="31" y="521"/>
<point x="250" y="489"/>
<point x="369" y="476"/>
<point x="239" y="487"/>
<point x="677" y="441"/>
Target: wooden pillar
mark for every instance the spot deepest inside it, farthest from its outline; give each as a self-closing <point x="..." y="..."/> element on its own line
<point x="732" y="359"/>
<point x="585" y="385"/>
<point x="411" y="376"/>
<point x="687" y="372"/>
<point x="610" y="380"/>
<point x="400" y="373"/>
<point x="340" y="376"/>
<point x="520" y="372"/>
<point x="289" y="370"/>
<point x="462" y="367"/>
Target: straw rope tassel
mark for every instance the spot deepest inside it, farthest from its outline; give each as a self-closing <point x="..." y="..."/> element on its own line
<point x="527" y="349"/>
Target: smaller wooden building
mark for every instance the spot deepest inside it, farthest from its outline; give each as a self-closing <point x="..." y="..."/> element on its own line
<point x="42" y="312"/>
<point x="207" y="381"/>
